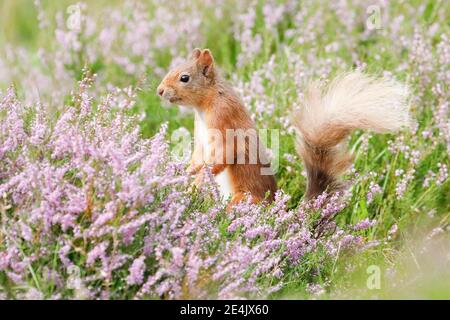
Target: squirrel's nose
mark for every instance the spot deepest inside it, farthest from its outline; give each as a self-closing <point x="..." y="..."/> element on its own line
<point x="160" y="91"/>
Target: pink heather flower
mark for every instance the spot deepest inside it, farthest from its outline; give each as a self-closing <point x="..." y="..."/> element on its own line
<point x="33" y="294"/>
<point x="374" y="188"/>
<point x="439" y="178"/>
<point x="300" y="245"/>
<point x="63" y="252"/>
<point x="319" y="201"/>
<point x="26" y="231"/>
<point x="39" y="131"/>
<point x="15" y="277"/>
<point x="333" y="206"/>
<point x="177" y="257"/>
<point x="42" y="18"/>
<point x="422" y="58"/>
<point x="110" y="209"/>
<point x="193" y="267"/>
<point x="442" y="174"/>
<point x="349" y="241"/>
<point x="315" y="289"/>
<point x="273" y="14"/>
<point x="364" y="224"/>
<point x="441" y="116"/>
<point x="98" y="252"/>
<point x="136" y="270"/>
<point x="428" y="179"/>
<point x="402" y="185"/>
<point x="393" y="230"/>
<point x="372" y="244"/>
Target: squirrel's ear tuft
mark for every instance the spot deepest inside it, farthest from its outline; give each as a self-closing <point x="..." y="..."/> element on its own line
<point x="196" y="54"/>
<point x="206" y="62"/>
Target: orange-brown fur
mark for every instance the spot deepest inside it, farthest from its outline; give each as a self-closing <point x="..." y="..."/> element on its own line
<point x="223" y="109"/>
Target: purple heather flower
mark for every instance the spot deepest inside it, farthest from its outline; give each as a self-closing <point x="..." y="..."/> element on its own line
<point x="136" y="270"/>
<point x="364" y="224"/>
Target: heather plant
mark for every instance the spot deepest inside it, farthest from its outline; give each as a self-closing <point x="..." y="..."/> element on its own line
<point x="90" y="209"/>
<point x="94" y="203"/>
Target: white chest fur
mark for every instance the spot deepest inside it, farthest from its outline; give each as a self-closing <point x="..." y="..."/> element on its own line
<point x="201" y="136"/>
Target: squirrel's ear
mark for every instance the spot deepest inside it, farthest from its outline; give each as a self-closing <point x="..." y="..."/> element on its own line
<point x="206" y="62"/>
<point x="196" y="54"/>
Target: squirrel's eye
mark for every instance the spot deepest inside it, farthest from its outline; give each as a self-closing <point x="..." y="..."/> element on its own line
<point x="184" y="78"/>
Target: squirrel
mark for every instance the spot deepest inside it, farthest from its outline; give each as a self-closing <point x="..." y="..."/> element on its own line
<point x="327" y="116"/>
<point x="225" y="136"/>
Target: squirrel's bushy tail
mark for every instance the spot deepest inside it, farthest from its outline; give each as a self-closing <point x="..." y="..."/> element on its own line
<point x="328" y="115"/>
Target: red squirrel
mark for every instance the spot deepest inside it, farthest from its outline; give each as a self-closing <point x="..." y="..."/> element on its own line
<point x="327" y="116"/>
<point x="220" y="117"/>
